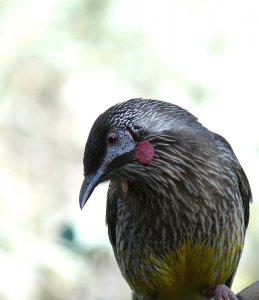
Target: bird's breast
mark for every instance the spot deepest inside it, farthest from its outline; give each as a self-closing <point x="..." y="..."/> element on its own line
<point x="188" y="270"/>
<point x="159" y="258"/>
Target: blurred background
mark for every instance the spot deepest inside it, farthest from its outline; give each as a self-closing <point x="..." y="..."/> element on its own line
<point x="62" y="63"/>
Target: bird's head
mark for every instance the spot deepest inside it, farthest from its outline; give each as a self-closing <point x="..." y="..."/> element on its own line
<point x="123" y="139"/>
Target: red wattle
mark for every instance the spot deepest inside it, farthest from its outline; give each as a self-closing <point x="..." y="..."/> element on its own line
<point x="124" y="185"/>
<point x="145" y="152"/>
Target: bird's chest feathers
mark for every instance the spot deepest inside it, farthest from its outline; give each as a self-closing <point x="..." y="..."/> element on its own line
<point x="189" y="269"/>
<point x="155" y="253"/>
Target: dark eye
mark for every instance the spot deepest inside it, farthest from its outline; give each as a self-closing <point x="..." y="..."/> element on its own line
<point x="112" y="138"/>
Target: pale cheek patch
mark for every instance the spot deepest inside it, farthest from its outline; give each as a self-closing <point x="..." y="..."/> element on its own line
<point x="145" y="152"/>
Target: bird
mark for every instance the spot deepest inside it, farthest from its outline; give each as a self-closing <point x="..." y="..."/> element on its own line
<point x="177" y="204"/>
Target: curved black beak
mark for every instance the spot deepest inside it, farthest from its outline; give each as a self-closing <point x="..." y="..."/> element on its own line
<point x="88" y="186"/>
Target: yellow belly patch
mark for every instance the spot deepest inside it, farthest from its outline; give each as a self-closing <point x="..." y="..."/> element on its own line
<point x="187" y="270"/>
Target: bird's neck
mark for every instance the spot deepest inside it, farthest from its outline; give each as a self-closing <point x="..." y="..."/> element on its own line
<point x="147" y="202"/>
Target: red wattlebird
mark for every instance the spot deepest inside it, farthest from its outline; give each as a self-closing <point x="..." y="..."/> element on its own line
<point x="177" y="204"/>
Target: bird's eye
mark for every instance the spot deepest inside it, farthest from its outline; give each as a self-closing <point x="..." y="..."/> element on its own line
<point x="112" y="138"/>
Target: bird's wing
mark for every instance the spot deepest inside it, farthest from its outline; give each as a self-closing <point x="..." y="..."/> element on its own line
<point x="111" y="213"/>
<point x="244" y="187"/>
<point x="245" y="192"/>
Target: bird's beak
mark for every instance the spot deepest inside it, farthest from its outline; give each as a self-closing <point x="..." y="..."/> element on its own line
<point x="88" y="186"/>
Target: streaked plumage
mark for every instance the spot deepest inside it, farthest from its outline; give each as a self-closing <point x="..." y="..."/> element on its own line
<point x="176" y="221"/>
